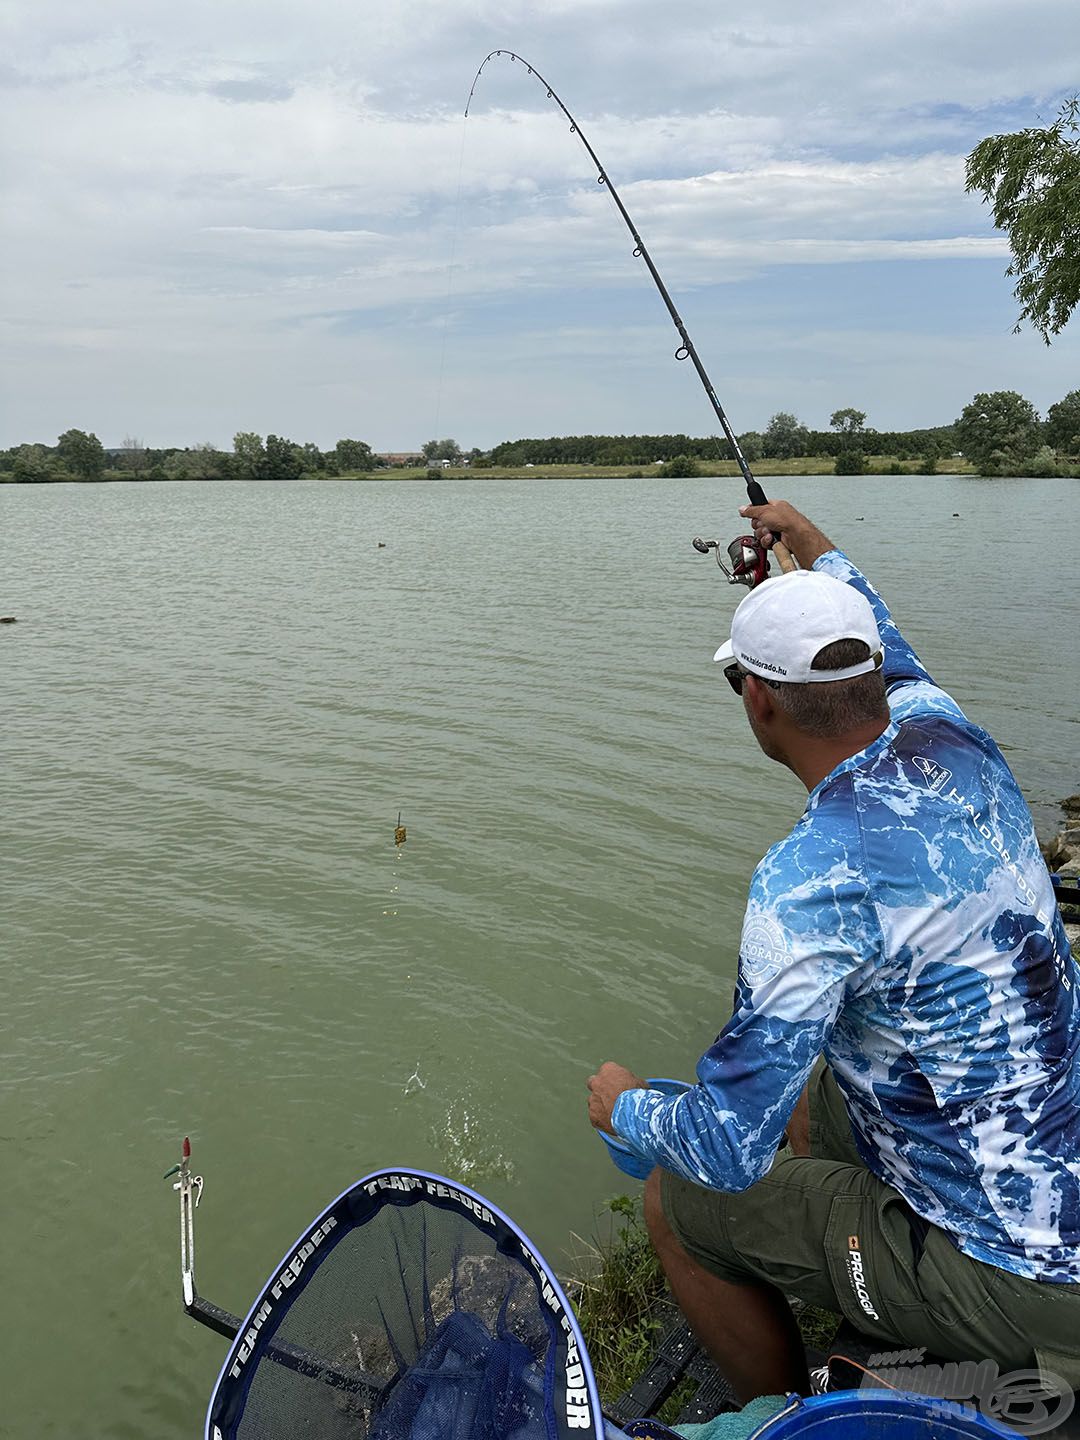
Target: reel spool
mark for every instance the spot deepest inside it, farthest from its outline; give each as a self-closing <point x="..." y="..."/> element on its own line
<point x="749" y="559"/>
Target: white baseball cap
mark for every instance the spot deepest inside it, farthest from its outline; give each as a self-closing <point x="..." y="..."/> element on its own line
<point x="783" y="623"/>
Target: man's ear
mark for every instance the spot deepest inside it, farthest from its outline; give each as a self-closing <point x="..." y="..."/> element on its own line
<point x="759" y="698"/>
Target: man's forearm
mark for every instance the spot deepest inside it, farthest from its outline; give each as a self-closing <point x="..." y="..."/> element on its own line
<point x="808" y="544"/>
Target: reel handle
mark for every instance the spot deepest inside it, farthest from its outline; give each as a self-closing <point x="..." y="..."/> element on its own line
<point x="783" y="555"/>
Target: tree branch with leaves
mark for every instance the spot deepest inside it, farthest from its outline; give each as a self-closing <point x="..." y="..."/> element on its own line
<point x="1032" y="180"/>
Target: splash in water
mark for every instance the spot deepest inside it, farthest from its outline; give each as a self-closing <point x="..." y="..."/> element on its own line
<point x="469" y="1146"/>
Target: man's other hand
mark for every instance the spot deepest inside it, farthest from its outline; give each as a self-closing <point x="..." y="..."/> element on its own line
<point x="805" y="541"/>
<point x="605" y="1087"/>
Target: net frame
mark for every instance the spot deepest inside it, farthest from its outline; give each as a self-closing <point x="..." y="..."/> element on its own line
<point x="573" y="1401"/>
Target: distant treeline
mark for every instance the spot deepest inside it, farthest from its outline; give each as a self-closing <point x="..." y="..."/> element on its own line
<point x="998" y="433"/>
<point x="78" y="455"/>
<point x="755" y="445"/>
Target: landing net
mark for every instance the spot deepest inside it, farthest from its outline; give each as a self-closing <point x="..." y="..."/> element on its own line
<point x="412" y="1309"/>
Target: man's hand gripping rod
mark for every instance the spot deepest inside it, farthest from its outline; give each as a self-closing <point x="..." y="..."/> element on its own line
<point x="757" y="496"/>
<point x="748" y="555"/>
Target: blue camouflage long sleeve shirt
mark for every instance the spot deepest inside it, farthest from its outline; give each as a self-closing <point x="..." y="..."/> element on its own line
<point x="906" y="928"/>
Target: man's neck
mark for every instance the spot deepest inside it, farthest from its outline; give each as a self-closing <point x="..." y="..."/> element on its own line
<point x="811" y="759"/>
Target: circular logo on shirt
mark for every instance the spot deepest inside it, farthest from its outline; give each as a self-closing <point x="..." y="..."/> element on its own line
<point x="763" y="953"/>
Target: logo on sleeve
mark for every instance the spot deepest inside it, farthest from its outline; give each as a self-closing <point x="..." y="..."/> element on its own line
<point x="764" y="951"/>
<point x="935" y="775"/>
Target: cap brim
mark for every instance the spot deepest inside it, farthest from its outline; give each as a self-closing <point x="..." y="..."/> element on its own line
<point x="726" y="651"/>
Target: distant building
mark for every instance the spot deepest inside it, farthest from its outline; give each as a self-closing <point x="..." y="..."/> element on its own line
<point x="401" y="458"/>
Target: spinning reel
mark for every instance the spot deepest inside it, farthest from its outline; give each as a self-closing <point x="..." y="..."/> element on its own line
<point x="749" y="559"/>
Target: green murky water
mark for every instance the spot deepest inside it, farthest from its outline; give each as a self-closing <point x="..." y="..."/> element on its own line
<point x="216" y="701"/>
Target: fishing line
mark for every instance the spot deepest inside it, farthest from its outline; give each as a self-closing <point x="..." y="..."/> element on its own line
<point x="687" y="349"/>
<point x="450" y="280"/>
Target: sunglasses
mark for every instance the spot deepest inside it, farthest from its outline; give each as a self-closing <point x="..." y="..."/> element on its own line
<point x="734" y="674"/>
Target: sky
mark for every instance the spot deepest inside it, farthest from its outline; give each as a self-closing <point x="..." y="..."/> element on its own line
<point x="274" y="217"/>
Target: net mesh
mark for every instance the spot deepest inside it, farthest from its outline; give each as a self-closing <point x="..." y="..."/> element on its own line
<point x="418" y="1322"/>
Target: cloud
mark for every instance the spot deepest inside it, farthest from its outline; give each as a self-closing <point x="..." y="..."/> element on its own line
<point x="244" y="91"/>
<point x="204" y="186"/>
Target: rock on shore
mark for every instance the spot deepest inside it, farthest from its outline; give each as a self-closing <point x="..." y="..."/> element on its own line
<point x="1062" y="853"/>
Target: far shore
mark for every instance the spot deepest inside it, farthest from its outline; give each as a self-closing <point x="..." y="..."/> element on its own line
<point x="884" y="465"/>
<point x="800" y="465"/>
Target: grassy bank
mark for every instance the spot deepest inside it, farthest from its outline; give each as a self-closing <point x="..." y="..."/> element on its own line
<point x="623" y="1305"/>
<point x="618" y="1293"/>
<point x="804" y="465"/>
<point x="801" y="465"/>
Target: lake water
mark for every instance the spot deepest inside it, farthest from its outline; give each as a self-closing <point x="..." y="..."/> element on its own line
<point x="216" y="701"/>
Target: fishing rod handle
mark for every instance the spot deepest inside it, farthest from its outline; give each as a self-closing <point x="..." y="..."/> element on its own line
<point x="783" y="555"/>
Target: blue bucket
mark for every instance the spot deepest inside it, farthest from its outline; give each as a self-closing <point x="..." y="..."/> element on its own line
<point x="879" y="1415"/>
<point x="627" y="1159"/>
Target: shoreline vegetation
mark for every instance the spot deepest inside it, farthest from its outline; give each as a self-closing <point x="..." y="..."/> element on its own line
<point x="808" y="465"/>
<point x="720" y="469"/>
<point x="800" y="465"/>
<point x="623" y="1304"/>
<point x="997" y="434"/>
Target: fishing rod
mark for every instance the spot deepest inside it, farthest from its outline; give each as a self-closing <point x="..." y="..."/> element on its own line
<point x="748" y="557"/>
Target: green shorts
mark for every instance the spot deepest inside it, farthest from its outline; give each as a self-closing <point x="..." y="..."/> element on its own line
<point x="826" y="1230"/>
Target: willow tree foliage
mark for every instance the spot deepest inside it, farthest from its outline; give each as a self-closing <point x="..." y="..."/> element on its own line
<point x="83" y="455"/>
<point x="441" y="450"/>
<point x="785" y="437"/>
<point x="999" y="433"/>
<point x="353" y="455"/>
<point x="250" y="455"/>
<point x="1063" y="424"/>
<point x="1032" y="180"/>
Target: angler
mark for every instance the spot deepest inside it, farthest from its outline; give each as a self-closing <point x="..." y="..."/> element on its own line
<point x="912" y="1024"/>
